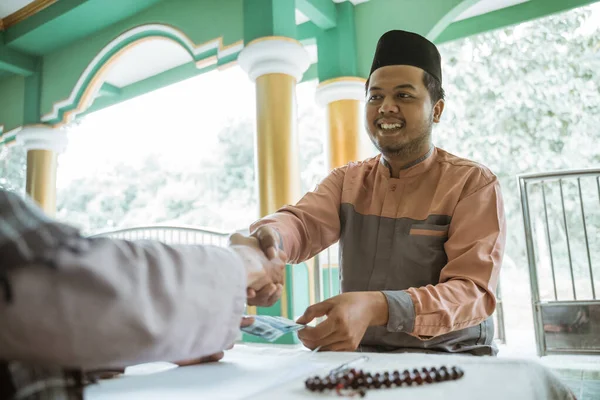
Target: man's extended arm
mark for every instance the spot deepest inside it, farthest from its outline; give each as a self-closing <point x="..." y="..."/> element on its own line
<point x="310" y="226"/>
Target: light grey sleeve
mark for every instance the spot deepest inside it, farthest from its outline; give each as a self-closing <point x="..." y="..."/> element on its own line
<point x="401" y="311"/>
<point x="117" y="303"/>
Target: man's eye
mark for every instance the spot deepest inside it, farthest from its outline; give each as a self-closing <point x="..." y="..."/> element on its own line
<point x="374" y="97"/>
<point x="404" y="95"/>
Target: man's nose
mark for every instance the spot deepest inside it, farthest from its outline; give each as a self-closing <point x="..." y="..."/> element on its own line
<point x="388" y="107"/>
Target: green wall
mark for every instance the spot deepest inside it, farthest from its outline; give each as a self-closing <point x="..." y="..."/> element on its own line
<point x="12" y="93"/>
<point x="200" y="21"/>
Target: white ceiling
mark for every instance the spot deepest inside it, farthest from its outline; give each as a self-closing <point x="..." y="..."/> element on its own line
<point x="146" y="59"/>
<point x="8" y="7"/>
<point x="486" y="6"/>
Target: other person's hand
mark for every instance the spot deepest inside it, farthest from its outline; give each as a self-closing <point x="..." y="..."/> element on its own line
<point x="264" y="275"/>
<point x="246" y="321"/>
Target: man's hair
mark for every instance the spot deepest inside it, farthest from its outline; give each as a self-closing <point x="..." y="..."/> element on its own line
<point x="434" y="87"/>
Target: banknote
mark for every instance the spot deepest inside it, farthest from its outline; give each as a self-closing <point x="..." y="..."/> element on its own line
<point x="271" y="328"/>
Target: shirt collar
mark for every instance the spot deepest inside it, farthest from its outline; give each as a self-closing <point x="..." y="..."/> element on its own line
<point x="413" y="168"/>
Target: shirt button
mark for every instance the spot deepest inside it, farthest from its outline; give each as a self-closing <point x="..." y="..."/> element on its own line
<point x="393" y="187"/>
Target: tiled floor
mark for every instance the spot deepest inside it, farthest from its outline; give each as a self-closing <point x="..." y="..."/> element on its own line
<point x="584" y="384"/>
<point x="580" y="372"/>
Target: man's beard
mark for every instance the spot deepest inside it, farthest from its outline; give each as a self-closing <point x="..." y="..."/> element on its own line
<point x="411" y="148"/>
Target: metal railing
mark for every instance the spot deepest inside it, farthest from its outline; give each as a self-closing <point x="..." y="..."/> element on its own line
<point x="169" y="235"/>
<point x="561" y="218"/>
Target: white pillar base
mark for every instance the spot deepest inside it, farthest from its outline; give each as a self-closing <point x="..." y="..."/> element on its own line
<point x="344" y="88"/>
<point x="274" y="55"/>
<point x="40" y="137"/>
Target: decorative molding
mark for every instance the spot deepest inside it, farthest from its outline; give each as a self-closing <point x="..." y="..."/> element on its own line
<point x="20" y="15"/>
<point x="343" y="88"/>
<point x="207" y="62"/>
<point x="355" y="2"/>
<point x="42" y="137"/>
<point x="269" y="38"/>
<point x="90" y="81"/>
<point x="274" y="55"/>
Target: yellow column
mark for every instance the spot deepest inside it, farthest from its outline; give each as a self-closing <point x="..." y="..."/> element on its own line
<point x="276" y="142"/>
<point x="41" y="179"/>
<point x="344" y="132"/>
<point x="342" y="97"/>
<point x="276" y="64"/>
<point x="43" y="145"/>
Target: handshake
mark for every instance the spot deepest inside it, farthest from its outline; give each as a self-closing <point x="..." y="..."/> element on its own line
<point x="264" y="263"/>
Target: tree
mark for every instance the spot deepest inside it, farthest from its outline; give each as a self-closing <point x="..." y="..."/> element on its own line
<point x="13" y="168"/>
<point x="524" y="99"/>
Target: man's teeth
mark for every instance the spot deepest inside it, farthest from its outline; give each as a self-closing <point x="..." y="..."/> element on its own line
<point x="391" y="126"/>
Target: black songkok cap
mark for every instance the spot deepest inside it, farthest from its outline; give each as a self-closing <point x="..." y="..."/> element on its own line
<point x="407" y="48"/>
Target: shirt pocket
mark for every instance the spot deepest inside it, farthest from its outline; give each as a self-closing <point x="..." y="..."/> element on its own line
<point x="426" y="252"/>
<point x="429" y="231"/>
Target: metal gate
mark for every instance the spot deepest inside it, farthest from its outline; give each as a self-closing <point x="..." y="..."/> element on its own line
<point x="561" y="217"/>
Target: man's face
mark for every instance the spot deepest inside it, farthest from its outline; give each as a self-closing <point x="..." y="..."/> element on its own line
<point x="399" y="111"/>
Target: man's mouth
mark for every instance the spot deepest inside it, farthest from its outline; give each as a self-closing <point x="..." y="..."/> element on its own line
<point x="390" y="127"/>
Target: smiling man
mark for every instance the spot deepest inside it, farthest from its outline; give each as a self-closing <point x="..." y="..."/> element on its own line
<point x="421" y="231"/>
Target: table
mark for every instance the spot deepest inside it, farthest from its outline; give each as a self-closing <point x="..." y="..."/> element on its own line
<point x="252" y="371"/>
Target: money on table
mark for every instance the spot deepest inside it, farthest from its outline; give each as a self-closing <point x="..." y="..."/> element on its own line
<point x="271" y="328"/>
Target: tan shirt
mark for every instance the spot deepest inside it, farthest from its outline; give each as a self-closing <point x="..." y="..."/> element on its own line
<point x="431" y="240"/>
<point x="116" y="303"/>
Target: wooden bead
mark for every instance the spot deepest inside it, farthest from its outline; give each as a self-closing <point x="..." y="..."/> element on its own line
<point x="418" y="379"/>
<point x="427" y="377"/>
<point x="443" y="375"/>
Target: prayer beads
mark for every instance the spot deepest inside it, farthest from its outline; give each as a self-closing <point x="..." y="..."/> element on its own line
<point x="357" y="382"/>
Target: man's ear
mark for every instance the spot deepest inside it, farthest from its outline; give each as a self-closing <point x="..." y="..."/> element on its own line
<point x="438" y="110"/>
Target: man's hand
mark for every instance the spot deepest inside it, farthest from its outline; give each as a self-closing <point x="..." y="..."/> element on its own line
<point x="246" y="321"/>
<point x="265" y="275"/>
<point x="269" y="241"/>
<point x="348" y="317"/>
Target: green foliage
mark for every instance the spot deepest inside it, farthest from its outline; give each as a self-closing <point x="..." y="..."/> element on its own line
<point x="13" y="168"/>
<point x="527" y="99"/>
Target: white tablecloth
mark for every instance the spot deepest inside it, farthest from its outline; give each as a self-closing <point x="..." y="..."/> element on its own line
<point x="278" y="372"/>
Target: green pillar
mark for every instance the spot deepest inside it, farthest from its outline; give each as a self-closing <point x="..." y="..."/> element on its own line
<point x="263" y="18"/>
<point x="337" y="46"/>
